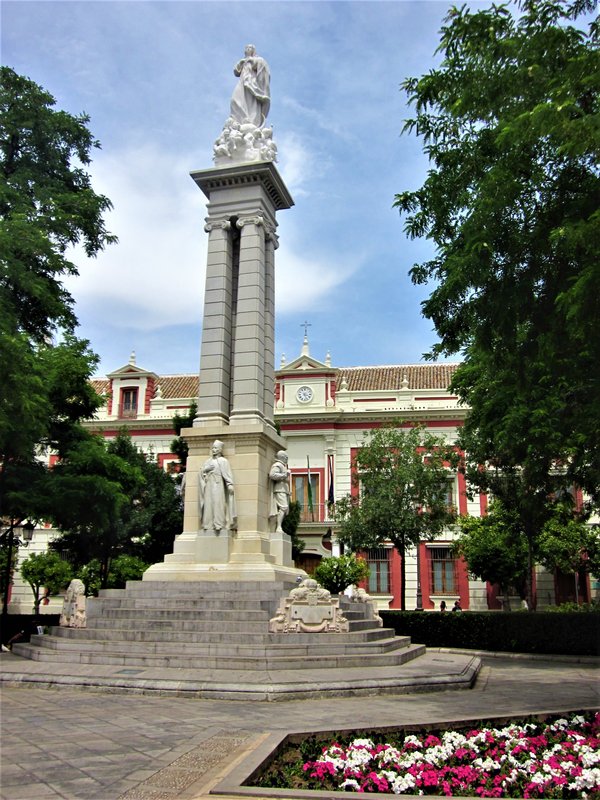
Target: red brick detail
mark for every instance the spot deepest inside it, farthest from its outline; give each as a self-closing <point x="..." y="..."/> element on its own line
<point x="150" y="389"/>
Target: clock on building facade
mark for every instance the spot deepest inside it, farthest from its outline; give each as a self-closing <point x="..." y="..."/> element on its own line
<point x="304" y="394"/>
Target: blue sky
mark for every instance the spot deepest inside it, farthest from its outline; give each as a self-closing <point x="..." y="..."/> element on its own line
<point x="156" y="79"/>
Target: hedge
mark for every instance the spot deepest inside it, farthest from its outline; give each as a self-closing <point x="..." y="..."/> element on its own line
<point x="519" y="632"/>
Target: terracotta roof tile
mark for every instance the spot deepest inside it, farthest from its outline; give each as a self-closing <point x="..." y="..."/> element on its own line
<point x="100" y="385"/>
<point x="178" y="385"/>
<point x="419" y="376"/>
<point x="359" y="379"/>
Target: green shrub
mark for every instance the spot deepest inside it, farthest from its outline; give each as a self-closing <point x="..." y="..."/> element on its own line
<point x="338" y="572"/>
<point x="526" y="632"/>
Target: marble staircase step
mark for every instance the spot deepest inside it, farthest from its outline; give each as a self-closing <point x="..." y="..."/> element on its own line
<point x="330" y="646"/>
<point x="65" y="637"/>
<point x="210" y="662"/>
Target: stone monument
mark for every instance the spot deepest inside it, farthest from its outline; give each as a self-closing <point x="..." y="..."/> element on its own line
<point x="228" y="498"/>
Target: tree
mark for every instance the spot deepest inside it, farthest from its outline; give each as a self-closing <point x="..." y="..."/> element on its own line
<point x="290" y="526"/>
<point x="338" y="572"/>
<point x="566" y="543"/>
<point x="47" y="205"/>
<point x="111" y="500"/>
<point x="400" y="481"/>
<point x="495" y="548"/>
<point x="89" y="492"/>
<point x="179" y="446"/>
<point x="155" y="516"/>
<point x="509" y="121"/>
<point x="45" y="569"/>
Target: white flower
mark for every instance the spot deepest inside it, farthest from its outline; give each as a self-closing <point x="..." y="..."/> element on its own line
<point x="455" y="739"/>
<point x="358" y="758"/>
<point x="350" y="783"/>
<point x="589" y="757"/>
<point x="414" y="740"/>
<point x="387" y="755"/>
<point x="539" y="778"/>
<point x="403" y="783"/>
<point x="362" y="743"/>
<point x="486" y="763"/>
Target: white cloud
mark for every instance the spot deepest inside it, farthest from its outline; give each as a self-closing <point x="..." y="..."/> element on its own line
<point x="300" y="167"/>
<point x="302" y="282"/>
<point x="154" y="276"/>
<point x="157" y="269"/>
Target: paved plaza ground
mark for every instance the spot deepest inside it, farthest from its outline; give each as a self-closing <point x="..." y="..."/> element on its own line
<point x="64" y="743"/>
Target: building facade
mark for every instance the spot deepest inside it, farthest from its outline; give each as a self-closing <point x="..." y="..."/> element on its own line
<point x="324" y="413"/>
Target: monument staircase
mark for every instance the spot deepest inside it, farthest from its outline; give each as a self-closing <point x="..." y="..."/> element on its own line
<point x="211" y="639"/>
<point x="211" y="626"/>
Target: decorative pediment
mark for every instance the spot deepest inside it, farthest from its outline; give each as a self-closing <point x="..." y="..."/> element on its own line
<point x="306" y="363"/>
<point x="131" y="370"/>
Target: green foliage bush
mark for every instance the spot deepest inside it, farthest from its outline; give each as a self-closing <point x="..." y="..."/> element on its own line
<point x="338" y="572"/>
<point x="540" y="632"/>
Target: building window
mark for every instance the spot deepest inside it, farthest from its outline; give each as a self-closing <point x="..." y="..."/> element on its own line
<point x="129" y="403"/>
<point x="378" y="559"/>
<point x="446" y="493"/>
<point x="310" y="509"/>
<point x="443" y="571"/>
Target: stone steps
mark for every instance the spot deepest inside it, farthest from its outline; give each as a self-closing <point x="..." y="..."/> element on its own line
<point x="330" y="645"/>
<point x="220" y="636"/>
<point x="127" y="658"/>
<point x="217" y="627"/>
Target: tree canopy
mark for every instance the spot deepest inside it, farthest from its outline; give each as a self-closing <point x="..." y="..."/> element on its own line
<point x="48" y="570"/>
<point x="510" y="122"/>
<point x="495" y="548"/>
<point x="401" y="480"/>
<point x="47" y="205"/>
<point x="111" y="499"/>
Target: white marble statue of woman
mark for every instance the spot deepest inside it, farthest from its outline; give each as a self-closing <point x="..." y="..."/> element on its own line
<point x="216" y="492"/>
<point x="251" y="97"/>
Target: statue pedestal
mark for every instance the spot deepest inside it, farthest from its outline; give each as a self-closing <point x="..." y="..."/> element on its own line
<point x="281" y="547"/>
<point x="235" y="402"/>
<point x="251" y="552"/>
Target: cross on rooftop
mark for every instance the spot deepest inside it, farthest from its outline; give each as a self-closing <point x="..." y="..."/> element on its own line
<point x="306" y="325"/>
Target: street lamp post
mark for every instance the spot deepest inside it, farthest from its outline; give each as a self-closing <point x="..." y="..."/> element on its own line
<point x="11" y="541"/>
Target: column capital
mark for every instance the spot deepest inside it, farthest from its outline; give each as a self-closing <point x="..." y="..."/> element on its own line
<point x="257" y="219"/>
<point x="217" y="224"/>
<point x="271" y="236"/>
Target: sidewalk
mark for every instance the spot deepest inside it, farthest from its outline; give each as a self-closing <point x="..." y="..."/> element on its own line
<point x="62" y="743"/>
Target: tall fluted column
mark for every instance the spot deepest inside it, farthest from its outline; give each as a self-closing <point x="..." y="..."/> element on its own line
<point x="249" y="341"/>
<point x="272" y="243"/>
<point x="217" y="325"/>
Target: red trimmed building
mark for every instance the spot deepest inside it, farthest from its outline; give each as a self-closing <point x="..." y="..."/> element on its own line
<point x="324" y="413"/>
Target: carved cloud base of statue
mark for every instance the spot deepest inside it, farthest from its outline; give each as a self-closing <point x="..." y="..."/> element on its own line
<point x="241" y="142"/>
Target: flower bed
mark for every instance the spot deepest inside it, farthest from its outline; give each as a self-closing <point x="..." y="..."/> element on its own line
<point x="558" y="758"/>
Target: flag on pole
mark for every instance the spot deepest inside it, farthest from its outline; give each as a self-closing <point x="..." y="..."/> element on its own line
<point x="310" y="497"/>
<point x="330" y="495"/>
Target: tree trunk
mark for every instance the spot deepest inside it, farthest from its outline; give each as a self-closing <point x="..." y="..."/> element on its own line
<point x="531" y="599"/>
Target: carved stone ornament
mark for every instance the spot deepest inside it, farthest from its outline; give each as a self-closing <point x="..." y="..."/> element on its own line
<point x="371" y="612"/>
<point x="219" y="224"/>
<point x="309" y="609"/>
<point x="73" y="611"/>
<point x="241" y="142"/>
